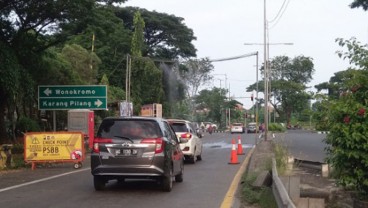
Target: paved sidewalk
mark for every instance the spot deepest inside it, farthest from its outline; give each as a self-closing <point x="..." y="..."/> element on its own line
<point x="259" y="160"/>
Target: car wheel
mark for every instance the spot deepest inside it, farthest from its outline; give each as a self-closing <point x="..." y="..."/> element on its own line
<point x="167" y="182"/>
<point x="99" y="183"/>
<point x="199" y="157"/>
<point x="180" y="177"/>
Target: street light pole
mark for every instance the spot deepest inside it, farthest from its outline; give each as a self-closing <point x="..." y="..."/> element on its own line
<point x="265" y="73"/>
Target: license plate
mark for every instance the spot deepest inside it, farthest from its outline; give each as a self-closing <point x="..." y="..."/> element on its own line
<point x="126" y="152"/>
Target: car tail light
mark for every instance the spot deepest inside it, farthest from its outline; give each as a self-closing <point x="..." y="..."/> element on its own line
<point x="97" y="141"/>
<point x="159" y="142"/>
<point x="186" y="136"/>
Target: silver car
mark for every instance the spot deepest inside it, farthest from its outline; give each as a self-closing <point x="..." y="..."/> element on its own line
<point x="136" y="147"/>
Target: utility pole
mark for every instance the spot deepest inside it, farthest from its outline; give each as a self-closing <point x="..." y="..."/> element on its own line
<point x="128" y="75"/>
<point x="265" y="73"/>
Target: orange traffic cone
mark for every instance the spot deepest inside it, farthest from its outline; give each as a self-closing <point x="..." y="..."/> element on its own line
<point x="233" y="155"/>
<point x="240" y="147"/>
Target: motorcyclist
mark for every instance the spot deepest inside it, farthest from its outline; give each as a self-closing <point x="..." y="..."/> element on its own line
<point x="210" y="129"/>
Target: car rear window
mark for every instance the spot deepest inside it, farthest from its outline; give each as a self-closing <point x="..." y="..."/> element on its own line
<point x="237" y="124"/>
<point x="179" y="127"/>
<point x="133" y="129"/>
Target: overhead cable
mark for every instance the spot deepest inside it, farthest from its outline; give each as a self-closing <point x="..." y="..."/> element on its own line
<point x="279" y="14"/>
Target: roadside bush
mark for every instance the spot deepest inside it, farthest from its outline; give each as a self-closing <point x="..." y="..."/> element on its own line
<point x="348" y="125"/>
<point x="26" y="124"/>
<point x="276" y="127"/>
<point x="17" y="149"/>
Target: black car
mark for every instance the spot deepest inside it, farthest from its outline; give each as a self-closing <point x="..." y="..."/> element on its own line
<point x="136" y="147"/>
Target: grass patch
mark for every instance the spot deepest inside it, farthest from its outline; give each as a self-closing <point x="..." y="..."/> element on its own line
<point x="18" y="161"/>
<point x="261" y="196"/>
<point x="281" y="156"/>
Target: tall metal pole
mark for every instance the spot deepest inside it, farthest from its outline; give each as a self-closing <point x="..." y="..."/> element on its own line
<point x="265" y="75"/>
<point x="257" y="92"/>
<point x="257" y="122"/>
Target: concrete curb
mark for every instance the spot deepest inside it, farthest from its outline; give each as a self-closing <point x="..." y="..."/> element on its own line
<point x="230" y="200"/>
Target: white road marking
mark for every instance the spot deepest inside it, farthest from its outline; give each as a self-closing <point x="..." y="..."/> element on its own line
<point x="41" y="180"/>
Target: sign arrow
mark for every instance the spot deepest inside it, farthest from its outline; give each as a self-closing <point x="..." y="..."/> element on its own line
<point x="98" y="103"/>
<point x="47" y="91"/>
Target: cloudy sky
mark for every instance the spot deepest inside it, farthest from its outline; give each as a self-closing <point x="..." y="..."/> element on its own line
<point x="223" y="27"/>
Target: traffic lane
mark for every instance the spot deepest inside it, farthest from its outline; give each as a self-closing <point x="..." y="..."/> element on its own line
<point x="205" y="185"/>
<point x="306" y="145"/>
<point x="246" y="138"/>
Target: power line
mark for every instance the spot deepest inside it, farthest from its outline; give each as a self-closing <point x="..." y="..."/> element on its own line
<point x="280" y="14"/>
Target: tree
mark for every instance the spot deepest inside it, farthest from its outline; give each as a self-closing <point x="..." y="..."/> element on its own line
<point x="146" y="77"/>
<point x="212" y="103"/>
<point x="196" y="73"/>
<point x="360" y="3"/>
<point x="112" y="41"/>
<point x="335" y="86"/>
<point x="85" y="64"/>
<point x="347" y="120"/>
<point x="165" y="36"/>
<point x="289" y="78"/>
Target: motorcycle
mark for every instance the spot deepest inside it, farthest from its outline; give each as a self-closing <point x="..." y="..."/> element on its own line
<point x="210" y="129"/>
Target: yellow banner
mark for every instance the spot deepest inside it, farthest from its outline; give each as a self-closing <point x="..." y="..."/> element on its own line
<point x="45" y="146"/>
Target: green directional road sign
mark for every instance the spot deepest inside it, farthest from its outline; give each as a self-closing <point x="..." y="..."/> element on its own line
<point x="65" y="97"/>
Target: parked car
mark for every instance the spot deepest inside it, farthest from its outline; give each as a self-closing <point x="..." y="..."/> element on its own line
<point x="237" y="128"/>
<point x="136" y="147"/>
<point x="252" y="128"/>
<point x="198" y="129"/>
<point x="193" y="148"/>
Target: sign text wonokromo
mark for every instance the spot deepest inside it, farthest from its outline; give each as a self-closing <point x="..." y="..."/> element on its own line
<point x="65" y="97"/>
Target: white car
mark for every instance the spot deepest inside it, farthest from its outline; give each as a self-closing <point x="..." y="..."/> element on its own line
<point x="237" y="128"/>
<point x="192" y="149"/>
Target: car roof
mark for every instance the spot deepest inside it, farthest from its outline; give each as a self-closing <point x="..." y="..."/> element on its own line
<point x="133" y="118"/>
<point x="174" y="120"/>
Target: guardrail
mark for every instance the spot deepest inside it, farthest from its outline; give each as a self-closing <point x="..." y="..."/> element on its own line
<point x="281" y="195"/>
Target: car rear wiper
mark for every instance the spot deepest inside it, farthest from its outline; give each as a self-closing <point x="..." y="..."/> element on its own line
<point x="123" y="137"/>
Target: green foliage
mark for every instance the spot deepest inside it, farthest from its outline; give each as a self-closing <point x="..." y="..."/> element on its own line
<point x="17" y="149"/>
<point x="213" y="103"/>
<point x="26" y="124"/>
<point x="263" y="196"/>
<point x="196" y="73"/>
<point x="281" y="155"/>
<point x="289" y="78"/>
<point x="276" y="127"/>
<point x="82" y="62"/>
<point x="348" y="124"/>
<point x="137" y="39"/>
<point x="360" y="3"/>
<point x="166" y="36"/>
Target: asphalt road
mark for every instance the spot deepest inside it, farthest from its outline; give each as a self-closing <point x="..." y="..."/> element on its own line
<point x="205" y="183"/>
<point x="304" y="145"/>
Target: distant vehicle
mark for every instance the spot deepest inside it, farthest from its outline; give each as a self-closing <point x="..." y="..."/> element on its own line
<point x="237" y="128"/>
<point x="193" y="148"/>
<point x="252" y="128"/>
<point x="209" y="124"/>
<point x="136" y="147"/>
